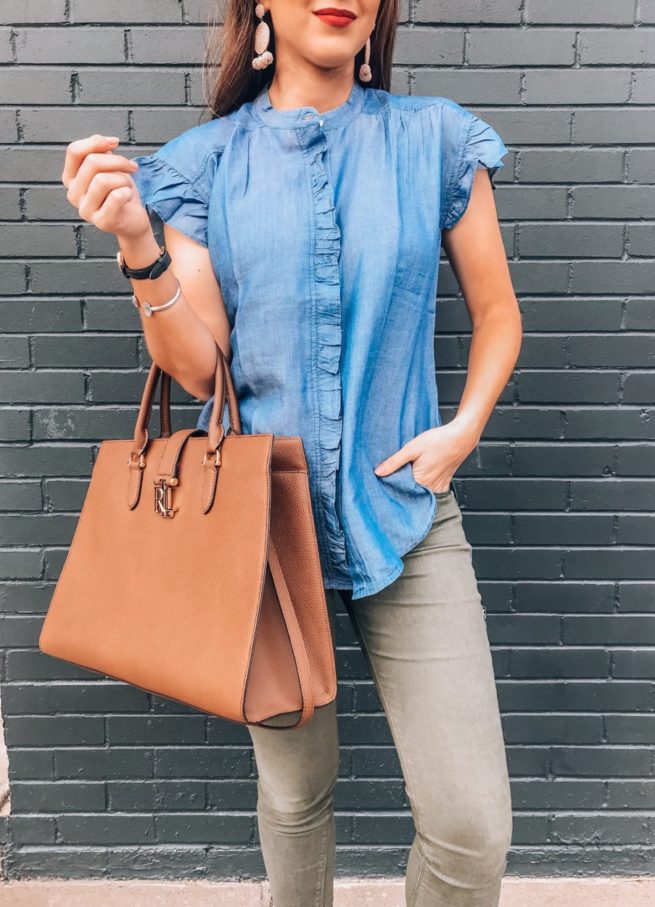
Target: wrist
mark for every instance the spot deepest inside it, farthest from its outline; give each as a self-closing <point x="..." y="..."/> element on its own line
<point x="470" y="429"/>
<point x="141" y="250"/>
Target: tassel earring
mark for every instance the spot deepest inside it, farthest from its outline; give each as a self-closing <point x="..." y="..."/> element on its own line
<point x="262" y="36"/>
<point x="365" y="70"/>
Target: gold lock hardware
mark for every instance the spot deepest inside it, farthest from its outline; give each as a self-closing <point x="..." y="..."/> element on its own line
<point x="164" y="496"/>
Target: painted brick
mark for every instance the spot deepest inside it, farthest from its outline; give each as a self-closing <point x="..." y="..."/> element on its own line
<point x="109" y="781"/>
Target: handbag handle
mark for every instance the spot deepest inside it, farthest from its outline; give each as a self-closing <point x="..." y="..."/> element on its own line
<point x="165" y="406"/>
<point x="224" y="387"/>
<point x="222" y="382"/>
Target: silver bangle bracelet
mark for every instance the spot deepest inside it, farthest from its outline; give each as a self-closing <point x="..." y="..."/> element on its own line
<point x="148" y="309"/>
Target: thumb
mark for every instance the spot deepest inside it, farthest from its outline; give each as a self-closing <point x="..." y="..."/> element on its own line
<point x="395" y="461"/>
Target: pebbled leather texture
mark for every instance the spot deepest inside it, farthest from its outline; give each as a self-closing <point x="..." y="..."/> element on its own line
<point x="221" y="607"/>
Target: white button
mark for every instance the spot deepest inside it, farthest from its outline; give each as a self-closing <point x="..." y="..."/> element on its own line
<point x="320" y="122"/>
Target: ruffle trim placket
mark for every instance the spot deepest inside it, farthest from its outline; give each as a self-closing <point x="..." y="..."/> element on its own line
<point x="327" y="298"/>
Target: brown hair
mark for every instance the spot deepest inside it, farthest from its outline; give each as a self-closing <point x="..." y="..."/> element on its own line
<point x="228" y="77"/>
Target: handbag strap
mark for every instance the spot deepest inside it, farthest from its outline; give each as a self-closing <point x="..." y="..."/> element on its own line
<point x="295" y="636"/>
<point x="168" y="464"/>
<point x="170" y="457"/>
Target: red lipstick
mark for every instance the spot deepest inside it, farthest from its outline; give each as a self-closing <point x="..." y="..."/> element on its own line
<point x="333" y="15"/>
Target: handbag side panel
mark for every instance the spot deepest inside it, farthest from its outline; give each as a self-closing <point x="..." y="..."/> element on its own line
<point x="294" y="532"/>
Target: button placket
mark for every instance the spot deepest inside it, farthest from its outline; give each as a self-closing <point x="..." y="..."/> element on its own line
<point x="327" y="294"/>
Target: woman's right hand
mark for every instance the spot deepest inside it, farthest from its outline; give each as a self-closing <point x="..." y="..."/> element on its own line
<point x="100" y="186"/>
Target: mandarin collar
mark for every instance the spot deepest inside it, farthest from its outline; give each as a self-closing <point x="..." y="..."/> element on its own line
<point x="298" y="117"/>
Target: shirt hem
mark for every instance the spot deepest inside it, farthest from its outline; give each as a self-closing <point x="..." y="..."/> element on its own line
<point x="371" y="588"/>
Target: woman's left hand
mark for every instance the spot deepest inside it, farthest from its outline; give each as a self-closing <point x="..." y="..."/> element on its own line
<point x="435" y="455"/>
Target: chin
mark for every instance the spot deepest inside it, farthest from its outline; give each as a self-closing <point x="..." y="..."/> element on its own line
<point x="331" y="61"/>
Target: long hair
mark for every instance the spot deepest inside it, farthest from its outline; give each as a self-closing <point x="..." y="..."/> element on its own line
<point x="228" y="77"/>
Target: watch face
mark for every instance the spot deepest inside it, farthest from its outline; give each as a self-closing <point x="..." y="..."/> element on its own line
<point x="147" y="309"/>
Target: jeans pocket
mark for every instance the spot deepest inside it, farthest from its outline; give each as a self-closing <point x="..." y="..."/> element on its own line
<point x="441" y="497"/>
<point x="417" y="484"/>
<point x="436" y="494"/>
<point x="445" y="495"/>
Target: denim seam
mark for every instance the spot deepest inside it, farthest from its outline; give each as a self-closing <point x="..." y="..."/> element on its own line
<point x="322" y="876"/>
<point x="416" y="890"/>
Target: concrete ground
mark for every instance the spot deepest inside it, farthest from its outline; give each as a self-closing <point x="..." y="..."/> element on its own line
<point x="517" y="892"/>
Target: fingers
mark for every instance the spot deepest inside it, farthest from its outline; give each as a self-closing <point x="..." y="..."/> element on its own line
<point x="78" y="150"/>
<point x="89" y="166"/>
<point x="107" y="192"/>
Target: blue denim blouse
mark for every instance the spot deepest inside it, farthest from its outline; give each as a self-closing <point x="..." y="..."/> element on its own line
<point x="324" y="231"/>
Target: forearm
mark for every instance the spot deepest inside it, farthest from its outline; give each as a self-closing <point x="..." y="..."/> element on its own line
<point x="495" y="347"/>
<point x="177" y="339"/>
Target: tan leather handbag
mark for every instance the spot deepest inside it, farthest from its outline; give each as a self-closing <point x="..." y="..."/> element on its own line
<point x="194" y="571"/>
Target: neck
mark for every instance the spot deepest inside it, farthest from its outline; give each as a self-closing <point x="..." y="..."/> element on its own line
<point x="291" y="88"/>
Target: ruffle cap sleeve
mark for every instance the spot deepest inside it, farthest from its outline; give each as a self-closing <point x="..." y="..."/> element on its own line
<point x="482" y="146"/>
<point x="176" y="181"/>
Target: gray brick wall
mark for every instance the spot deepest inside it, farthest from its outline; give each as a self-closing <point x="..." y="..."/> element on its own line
<point x="107" y="780"/>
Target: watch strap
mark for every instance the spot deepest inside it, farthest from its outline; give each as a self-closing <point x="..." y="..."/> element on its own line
<point x="150" y="272"/>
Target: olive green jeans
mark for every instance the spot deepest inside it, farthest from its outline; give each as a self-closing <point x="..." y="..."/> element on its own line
<point x="425" y="641"/>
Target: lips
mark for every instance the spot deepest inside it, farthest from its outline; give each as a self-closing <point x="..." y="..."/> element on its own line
<point x="333" y="15"/>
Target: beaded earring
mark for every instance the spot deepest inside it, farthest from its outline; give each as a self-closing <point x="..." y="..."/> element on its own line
<point x="262" y="36"/>
<point x="365" y="70"/>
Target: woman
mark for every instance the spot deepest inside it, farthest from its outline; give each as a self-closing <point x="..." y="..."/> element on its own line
<point x="303" y="224"/>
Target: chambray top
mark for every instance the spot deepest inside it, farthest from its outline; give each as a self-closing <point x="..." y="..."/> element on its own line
<point x="324" y="231"/>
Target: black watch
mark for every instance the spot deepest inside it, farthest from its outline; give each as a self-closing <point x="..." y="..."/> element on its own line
<point x="149" y="273"/>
